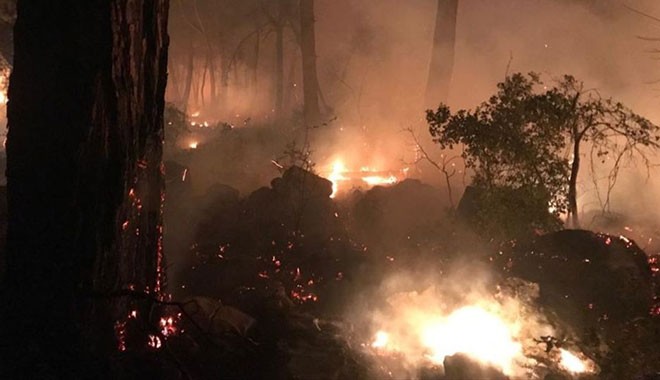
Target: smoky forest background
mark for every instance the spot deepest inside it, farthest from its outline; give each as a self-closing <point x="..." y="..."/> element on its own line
<point x="330" y="189"/>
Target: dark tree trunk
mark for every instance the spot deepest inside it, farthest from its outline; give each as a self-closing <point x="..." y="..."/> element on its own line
<point x="311" y="112"/>
<point x="254" y="85"/>
<point x="442" y="53"/>
<point x="279" y="61"/>
<point x="225" y="69"/>
<point x="84" y="180"/>
<point x="190" y="69"/>
<point x="213" y="84"/>
<point x="573" y="217"/>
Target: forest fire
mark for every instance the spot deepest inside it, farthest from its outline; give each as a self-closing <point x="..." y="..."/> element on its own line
<point x="343" y="178"/>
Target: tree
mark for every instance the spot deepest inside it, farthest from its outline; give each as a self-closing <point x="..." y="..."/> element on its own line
<point x="515" y="142"/>
<point x="610" y="128"/>
<point x="84" y="180"/>
<point x="511" y="144"/>
<point x="442" y="53"/>
<point x="311" y="111"/>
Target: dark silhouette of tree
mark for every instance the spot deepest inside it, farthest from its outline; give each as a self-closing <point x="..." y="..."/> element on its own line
<point x="512" y="147"/>
<point x="515" y="142"/>
<point x="311" y="111"/>
<point x="610" y="129"/>
<point x="84" y="180"/>
<point x="442" y="53"/>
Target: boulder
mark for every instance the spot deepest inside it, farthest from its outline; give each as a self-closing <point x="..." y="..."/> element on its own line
<point x="584" y="276"/>
<point x="461" y="367"/>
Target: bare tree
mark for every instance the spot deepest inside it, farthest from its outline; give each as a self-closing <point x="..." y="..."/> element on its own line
<point x="446" y="165"/>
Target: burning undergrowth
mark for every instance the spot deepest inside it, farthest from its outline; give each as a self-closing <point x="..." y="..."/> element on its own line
<point x="421" y="326"/>
<point x="367" y="285"/>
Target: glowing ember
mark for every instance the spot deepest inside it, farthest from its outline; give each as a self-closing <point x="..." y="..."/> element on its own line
<point x="571" y="362"/>
<point x="193" y="145"/>
<point x="168" y="325"/>
<point x="475" y="332"/>
<point x="380" y="340"/>
<point x="154" y="342"/>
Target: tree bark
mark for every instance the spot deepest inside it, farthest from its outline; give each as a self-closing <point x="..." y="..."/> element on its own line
<point x="84" y="180"/>
<point x="311" y="112"/>
<point x="442" y="53"/>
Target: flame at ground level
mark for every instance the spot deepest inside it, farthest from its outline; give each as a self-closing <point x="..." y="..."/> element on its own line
<point x="340" y="174"/>
<point x="471" y="330"/>
<point x="571" y="362"/>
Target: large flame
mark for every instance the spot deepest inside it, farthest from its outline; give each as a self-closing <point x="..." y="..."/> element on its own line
<point x="572" y="363"/>
<point x="473" y="331"/>
<point x="368" y="176"/>
<point x="500" y="330"/>
<point x="337" y="174"/>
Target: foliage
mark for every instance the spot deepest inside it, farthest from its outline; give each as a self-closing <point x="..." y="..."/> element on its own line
<point x="516" y="144"/>
<point x="511" y="142"/>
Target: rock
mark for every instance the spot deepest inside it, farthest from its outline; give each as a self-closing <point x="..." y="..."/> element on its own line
<point x="461" y="367"/>
<point x="215" y="318"/>
<point x="389" y="215"/>
<point x="584" y="276"/>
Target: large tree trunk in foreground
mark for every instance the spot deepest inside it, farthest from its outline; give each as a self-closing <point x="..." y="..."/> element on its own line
<point x="84" y="180"/>
<point x="311" y="112"/>
<point x="442" y="54"/>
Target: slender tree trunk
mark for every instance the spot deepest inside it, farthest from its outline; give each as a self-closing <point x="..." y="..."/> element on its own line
<point x="279" y="68"/>
<point x="190" y="69"/>
<point x="213" y="86"/>
<point x="225" y="70"/>
<point x="255" y="72"/>
<point x="202" y="84"/>
<point x="572" y="183"/>
<point x="442" y="53"/>
<point x="311" y="112"/>
<point x="84" y="180"/>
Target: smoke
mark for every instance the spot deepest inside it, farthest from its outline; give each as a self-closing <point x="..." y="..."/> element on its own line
<point x="373" y="62"/>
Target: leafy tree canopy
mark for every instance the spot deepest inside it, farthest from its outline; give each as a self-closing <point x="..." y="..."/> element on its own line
<point x="523" y="144"/>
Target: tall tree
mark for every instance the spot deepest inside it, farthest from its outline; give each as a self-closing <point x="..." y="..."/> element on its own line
<point x="84" y="180"/>
<point x="311" y="111"/>
<point x="442" y="53"/>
